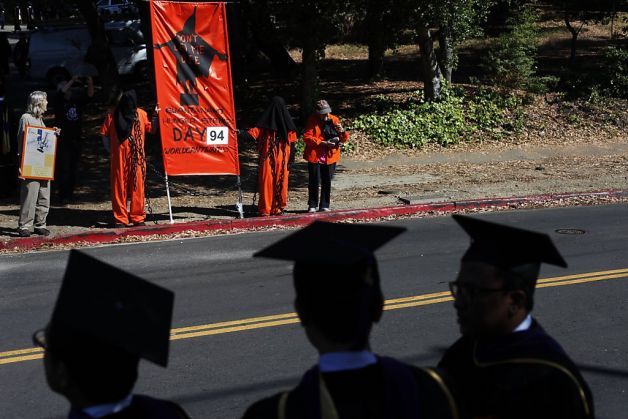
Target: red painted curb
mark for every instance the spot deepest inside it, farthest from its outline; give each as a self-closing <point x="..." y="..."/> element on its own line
<point x="295" y="220"/>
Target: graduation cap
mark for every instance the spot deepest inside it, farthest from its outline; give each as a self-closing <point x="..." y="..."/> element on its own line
<point x="507" y="247"/>
<point x="114" y="308"/>
<point x="331" y="244"/>
<point x="335" y="275"/>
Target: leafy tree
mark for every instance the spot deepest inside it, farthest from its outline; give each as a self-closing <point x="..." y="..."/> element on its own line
<point x="450" y="22"/>
<point x="312" y="25"/>
<point x="382" y="24"/>
<point x="511" y="59"/>
<point x="99" y="53"/>
<point x="579" y="13"/>
<point x="267" y="38"/>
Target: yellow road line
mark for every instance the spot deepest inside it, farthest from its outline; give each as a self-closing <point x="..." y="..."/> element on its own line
<point x="586" y="275"/>
<point x="21" y="352"/>
<point x="295" y="319"/>
<point x="21" y="358"/>
<point x="231" y="323"/>
<point x="581" y="281"/>
<point x="28" y="354"/>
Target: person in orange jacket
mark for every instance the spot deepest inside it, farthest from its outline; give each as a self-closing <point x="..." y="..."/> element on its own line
<point x="275" y="134"/>
<point x="322" y="136"/>
<point x="125" y="130"/>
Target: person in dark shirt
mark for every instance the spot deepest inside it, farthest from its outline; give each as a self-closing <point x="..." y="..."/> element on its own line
<point x="5" y="54"/>
<point x="505" y="365"/>
<point x="20" y="55"/>
<point x="69" y="104"/>
<point x="104" y="321"/>
<point x="338" y="298"/>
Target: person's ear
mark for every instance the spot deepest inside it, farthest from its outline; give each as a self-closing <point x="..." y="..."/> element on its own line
<point x="518" y="300"/>
<point x="303" y="318"/>
<point x="57" y="373"/>
<point x="378" y="308"/>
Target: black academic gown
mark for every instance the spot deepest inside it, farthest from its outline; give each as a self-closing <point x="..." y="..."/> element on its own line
<point x="387" y="389"/>
<point x="525" y="374"/>
<point x="142" y="407"/>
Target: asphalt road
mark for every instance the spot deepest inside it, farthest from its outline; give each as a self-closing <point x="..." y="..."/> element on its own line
<point x="216" y="370"/>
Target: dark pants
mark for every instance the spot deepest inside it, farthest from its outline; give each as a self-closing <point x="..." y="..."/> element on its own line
<point x="68" y="157"/>
<point x="319" y="173"/>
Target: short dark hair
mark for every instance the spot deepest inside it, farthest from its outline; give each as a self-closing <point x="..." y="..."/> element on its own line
<point x="340" y="300"/>
<point x="103" y="373"/>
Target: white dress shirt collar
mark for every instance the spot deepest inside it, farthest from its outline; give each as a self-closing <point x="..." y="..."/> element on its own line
<point x="524" y="325"/>
<point x="102" y="410"/>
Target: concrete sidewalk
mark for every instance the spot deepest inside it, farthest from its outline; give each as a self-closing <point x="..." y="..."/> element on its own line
<point x="214" y="227"/>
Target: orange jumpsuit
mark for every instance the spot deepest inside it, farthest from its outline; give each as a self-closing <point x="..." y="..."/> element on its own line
<point x="272" y="181"/>
<point x="122" y="187"/>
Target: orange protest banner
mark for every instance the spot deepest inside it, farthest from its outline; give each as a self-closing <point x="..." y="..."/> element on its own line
<point x="194" y="88"/>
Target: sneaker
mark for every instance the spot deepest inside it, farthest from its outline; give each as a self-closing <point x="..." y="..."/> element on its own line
<point x="42" y="231"/>
<point x="119" y="225"/>
<point x="311" y="209"/>
<point x="324" y="209"/>
<point x="24" y="233"/>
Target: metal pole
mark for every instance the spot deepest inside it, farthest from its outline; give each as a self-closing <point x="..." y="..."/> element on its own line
<point x="169" y="203"/>
<point x="239" y="203"/>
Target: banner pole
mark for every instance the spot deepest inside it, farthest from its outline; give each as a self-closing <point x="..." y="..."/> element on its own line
<point x="169" y="203"/>
<point x="239" y="204"/>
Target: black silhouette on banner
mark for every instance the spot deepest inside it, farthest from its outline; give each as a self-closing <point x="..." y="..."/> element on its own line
<point x="194" y="59"/>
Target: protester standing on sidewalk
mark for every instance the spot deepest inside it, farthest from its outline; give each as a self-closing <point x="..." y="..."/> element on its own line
<point x="5" y="54"/>
<point x="323" y="135"/>
<point x="3" y="16"/>
<point x="34" y="194"/>
<point x="126" y="128"/>
<point x="71" y="98"/>
<point x="7" y="147"/>
<point x="30" y="16"/>
<point x="17" y="18"/>
<point x="275" y="133"/>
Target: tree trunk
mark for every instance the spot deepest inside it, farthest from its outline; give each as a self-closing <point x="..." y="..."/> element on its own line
<point x="376" y="39"/>
<point x="377" y="49"/>
<point x="264" y="33"/>
<point x="446" y="52"/>
<point x="146" y="27"/>
<point x="431" y="71"/>
<point x="312" y="53"/>
<point x="574" y="39"/>
<point x="99" y="53"/>
<point x="238" y="41"/>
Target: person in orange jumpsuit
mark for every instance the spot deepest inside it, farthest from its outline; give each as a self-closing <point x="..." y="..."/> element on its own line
<point x="125" y="129"/>
<point x="322" y="136"/>
<point x="275" y="133"/>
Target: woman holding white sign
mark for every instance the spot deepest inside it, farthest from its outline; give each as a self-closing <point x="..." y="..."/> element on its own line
<point x="34" y="193"/>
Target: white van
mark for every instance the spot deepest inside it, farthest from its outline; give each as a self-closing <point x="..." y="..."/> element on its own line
<point x="54" y="53"/>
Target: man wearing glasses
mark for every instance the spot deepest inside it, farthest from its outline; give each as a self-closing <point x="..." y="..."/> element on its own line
<point x="505" y="364"/>
<point x="102" y="324"/>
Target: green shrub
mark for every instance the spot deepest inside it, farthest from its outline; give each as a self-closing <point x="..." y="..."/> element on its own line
<point x="615" y="71"/>
<point x="510" y="61"/>
<point x="455" y="117"/>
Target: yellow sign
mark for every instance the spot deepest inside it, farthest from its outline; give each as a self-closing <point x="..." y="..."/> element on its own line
<point x="38" y="153"/>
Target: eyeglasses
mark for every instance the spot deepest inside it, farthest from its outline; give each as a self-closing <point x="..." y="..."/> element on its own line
<point x="39" y="339"/>
<point x="470" y="290"/>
